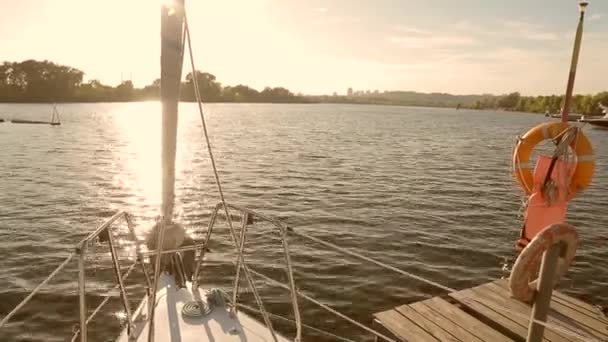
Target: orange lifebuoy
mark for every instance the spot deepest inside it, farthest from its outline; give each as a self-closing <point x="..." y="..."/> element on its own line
<point x="585" y="163"/>
<point x="522" y="281"/>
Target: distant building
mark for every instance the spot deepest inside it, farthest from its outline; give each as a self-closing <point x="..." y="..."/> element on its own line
<point x="349" y="92"/>
<point x="335" y="94"/>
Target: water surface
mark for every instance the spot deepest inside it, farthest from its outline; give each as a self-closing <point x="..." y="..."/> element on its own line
<point x="426" y="190"/>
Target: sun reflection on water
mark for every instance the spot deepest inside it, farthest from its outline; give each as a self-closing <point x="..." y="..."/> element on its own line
<point x="140" y="129"/>
<point x="139" y="158"/>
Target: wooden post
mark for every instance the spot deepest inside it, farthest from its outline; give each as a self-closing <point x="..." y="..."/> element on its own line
<point x="573" y="63"/>
<point x="542" y="300"/>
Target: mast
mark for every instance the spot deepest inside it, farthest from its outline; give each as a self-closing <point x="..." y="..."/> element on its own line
<point x="171" y="60"/>
<point x="582" y="5"/>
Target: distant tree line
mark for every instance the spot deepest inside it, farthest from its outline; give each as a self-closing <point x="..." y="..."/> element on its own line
<point x="582" y="104"/>
<point x="399" y="98"/>
<point x="45" y="81"/>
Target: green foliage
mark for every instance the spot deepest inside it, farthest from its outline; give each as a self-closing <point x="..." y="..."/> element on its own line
<point x="209" y="89"/>
<point x="35" y="81"/>
<point x="582" y="104"/>
<point x="45" y="81"/>
<point x="509" y="101"/>
<point x="279" y="94"/>
<point x="240" y="93"/>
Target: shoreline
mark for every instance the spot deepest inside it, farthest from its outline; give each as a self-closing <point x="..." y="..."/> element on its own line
<point x="282" y="103"/>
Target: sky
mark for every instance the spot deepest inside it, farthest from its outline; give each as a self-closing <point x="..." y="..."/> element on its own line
<point x="325" y="46"/>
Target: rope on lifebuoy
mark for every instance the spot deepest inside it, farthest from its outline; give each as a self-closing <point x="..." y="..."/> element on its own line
<point x="522" y="281"/>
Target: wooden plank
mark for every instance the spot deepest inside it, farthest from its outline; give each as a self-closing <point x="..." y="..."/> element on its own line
<point x="402" y="327"/>
<point x="514" y="309"/>
<point x="436" y="317"/>
<point x="575" y="303"/>
<point x="597" y="314"/>
<point x="600" y="328"/>
<point x="504" y="293"/>
<point x="482" y="308"/>
<point x="466" y="321"/>
<point x="496" y="316"/>
<point x="575" y="320"/>
<point x="377" y="325"/>
<point x="578" y="304"/>
<point x="430" y="327"/>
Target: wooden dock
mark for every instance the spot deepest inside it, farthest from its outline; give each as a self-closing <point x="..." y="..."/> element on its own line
<point x="488" y="313"/>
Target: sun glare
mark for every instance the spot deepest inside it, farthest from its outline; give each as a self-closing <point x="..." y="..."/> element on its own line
<point x="140" y="129"/>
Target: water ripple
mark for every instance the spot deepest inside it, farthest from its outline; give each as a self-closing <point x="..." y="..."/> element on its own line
<point x="426" y="190"/>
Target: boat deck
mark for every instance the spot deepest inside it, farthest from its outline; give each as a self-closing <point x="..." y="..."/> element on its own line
<point x="172" y="326"/>
<point x="488" y="313"/>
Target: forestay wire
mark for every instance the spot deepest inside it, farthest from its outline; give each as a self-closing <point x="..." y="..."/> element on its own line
<point x="229" y="220"/>
<point x="219" y="185"/>
<point x="247" y="271"/>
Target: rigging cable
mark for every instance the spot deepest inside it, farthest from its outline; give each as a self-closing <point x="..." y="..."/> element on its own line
<point x="248" y="272"/>
<point x="219" y="186"/>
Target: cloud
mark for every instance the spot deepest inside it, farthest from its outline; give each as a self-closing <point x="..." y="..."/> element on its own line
<point x="510" y="29"/>
<point x="409" y="29"/>
<point x="543" y="36"/>
<point x="531" y="31"/>
<point x="435" y="41"/>
<point x="596" y="16"/>
<point x="504" y="29"/>
<point x="466" y="25"/>
<point x="321" y="9"/>
<point x="365" y="63"/>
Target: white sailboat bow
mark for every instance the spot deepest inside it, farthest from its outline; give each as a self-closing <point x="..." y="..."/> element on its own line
<point x="181" y="311"/>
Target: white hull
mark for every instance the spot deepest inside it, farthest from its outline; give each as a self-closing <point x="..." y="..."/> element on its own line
<point x="170" y="325"/>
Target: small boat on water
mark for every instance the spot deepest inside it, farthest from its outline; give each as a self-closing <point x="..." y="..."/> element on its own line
<point x="600" y="121"/>
<point x="54" y="119"/>
<point x="33" y="122"/>
<point x="571" y="116"/>
<point x="558" y="115"/>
